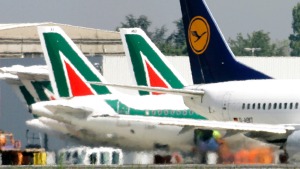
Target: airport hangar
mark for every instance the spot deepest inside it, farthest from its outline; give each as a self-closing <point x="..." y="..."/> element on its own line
<point x="19" y="44"/>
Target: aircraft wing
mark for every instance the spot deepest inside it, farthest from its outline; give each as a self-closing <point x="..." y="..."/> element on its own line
<point x="181" y="92"/>
<point x="187" y="124"/>
<point x="213" y="125"/>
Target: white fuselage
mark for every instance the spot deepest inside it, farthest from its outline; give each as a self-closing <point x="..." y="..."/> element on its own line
<point x="107" y="126"/>
<point x="252" y="101"/>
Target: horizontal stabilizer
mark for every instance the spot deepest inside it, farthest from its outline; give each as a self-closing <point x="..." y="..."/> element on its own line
<point x="181" y="92"/>
<point x="10" y="78"/>
<point x="78" y="112"/>
<point x="38" y="73"/>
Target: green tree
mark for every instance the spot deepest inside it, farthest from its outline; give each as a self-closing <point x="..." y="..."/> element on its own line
<point x="258" y="39"/>
<point x="173" y="44"/>
<point x="178" y="40"/>
<point x="158" y="36"/>
<point x="295" y="37"/>
<point x="133" y="22"/>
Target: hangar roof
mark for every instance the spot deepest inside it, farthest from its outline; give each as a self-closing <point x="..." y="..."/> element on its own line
<point x="28" y="30"/>
<point x="21" y="40"/>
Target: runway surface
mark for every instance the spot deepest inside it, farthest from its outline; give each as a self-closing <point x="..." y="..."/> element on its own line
<point x="185" y="166"/>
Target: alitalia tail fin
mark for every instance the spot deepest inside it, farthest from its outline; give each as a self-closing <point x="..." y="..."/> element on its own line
<point x="211" y="58"/>
<point x="31" y="84"/>
<point x="149" y="66"/>
<point x="15" y="83"/>
<point x="69" y="69"/>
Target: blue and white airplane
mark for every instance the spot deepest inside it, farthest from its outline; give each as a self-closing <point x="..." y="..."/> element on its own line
<point x="227" y="91"/>
<point x="231" y="90"/>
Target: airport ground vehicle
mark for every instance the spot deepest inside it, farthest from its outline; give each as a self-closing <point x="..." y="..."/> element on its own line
<point x="90" y="156"/>
<point x="11" y="152"/>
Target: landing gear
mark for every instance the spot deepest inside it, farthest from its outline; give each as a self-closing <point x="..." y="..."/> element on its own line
<point x="163" y="155"/>
<point x="283" y="157"/>
<point x="206" y="145"/>
<point x="162" y="159"/>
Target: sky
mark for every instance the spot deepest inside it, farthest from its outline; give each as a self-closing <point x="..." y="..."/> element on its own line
<point x="233" y="16"/>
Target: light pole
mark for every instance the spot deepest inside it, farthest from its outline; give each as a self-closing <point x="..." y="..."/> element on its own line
<point x="252" y="50"/>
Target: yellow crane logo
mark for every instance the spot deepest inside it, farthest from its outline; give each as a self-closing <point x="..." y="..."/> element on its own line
<point x="199" y="34"/>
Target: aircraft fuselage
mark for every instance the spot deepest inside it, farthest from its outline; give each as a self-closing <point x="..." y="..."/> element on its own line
<point x="251" y="101"/>
<point x="108" y="124"/>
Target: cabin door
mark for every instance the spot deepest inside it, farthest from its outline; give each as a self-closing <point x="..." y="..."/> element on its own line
<point x="225" y="106"/>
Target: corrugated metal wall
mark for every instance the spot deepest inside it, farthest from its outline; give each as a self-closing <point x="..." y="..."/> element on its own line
<point x="116" y="68"/>
<point x="277" y="67"/>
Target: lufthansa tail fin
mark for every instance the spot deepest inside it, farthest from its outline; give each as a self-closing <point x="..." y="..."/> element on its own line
<point x="211" y="59"/>
<point x="69" y="69"/>
<point x="149" y="66"/>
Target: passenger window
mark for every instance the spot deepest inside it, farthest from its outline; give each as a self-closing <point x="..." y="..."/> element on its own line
<point x="75" y="158"/>
<point x="159" y="112"/>
<point x="275" y="106"/>
<point x="285" y="105"/>
<point x="264" y="106"/>
<point x="291" y="105"/>
<point x="93" y="158"/>
<point x="104" y="157"/>
<point x="248" y="106"/>
<point x="280" y="105"/>
<point x="115" y="158"/>
<point x="172" y="112"/>
<point x="185" y="112"/>
<point x="243" y="106"/>
<point x="68" y="155"/>
<point x="253" y="106"/>
<point x="258" y="106"/>
<point x="270" y="105"/>
<point x="166" y="112"/>
<point x="191" y="112"/>
<point x="296" y="106"/>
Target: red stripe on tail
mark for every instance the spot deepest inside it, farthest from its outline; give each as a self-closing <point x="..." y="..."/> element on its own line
<point x="154" y="79"/>
<point x="78" y="86"/>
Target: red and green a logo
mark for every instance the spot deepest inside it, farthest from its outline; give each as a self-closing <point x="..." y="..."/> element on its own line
<point x="71" y="70"/>
<point x="150" y="66"/>
<point x="44" y="90"/>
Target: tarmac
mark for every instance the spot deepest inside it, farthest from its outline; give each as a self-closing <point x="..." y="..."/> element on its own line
<point x="183" y="166"/>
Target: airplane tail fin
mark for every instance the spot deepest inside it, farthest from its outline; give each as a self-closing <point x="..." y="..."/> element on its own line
<point x="149" y="66"/>
<point x="211" y="58"/>
<point x="15" y="83"/>
<point x="21" y="91"/>
<point x="69" y="69"/>
<point x="29" y="86"/>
